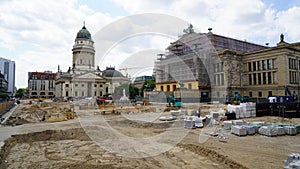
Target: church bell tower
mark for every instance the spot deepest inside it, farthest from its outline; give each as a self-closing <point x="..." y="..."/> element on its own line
<point x="83" y="51"/>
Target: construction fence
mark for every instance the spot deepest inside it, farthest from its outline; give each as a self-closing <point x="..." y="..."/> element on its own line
<point x="4" y="107"/>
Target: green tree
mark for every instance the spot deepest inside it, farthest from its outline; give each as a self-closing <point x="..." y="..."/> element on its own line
<point x="148" y="85"/>
<point x="20" y="92"/>
<point x="133" y="91"/>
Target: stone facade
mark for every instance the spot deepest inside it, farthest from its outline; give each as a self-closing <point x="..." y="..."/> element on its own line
<point x="223" y="66"/>
<point x="41" y="84"/>
<point x="82" y="79"/>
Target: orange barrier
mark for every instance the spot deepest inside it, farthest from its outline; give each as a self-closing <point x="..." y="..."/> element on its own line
<point x="4" y="106"/>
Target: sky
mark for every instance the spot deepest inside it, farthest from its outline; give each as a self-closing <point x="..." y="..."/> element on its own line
<point x="39" y="35"/>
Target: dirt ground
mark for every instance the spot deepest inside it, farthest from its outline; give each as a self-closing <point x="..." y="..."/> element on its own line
<point x="73" y="148"/>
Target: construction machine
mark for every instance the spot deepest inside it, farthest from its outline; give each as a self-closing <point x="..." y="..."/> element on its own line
<point x="173" y="102"/>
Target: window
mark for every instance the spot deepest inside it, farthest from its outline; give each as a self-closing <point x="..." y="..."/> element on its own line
<point x="174" y="87"/>
<point x="222" y="79"/>
<point x="67" y="85"/>
<point x="42" y="85"/>
<point x="293" y="77"/>
<point x="249" y="66"/>
<point x="67" y="94"/>
<point x="292" y="63"/>
<point x="264" y="78"/>
<point x="254" y="78"/>
<point x="269" y="64"/>
<point x="168" y="87"/>
<point x="189" y="86"/>
<point x="254" y="66"/>
<point x="269" y="78"/>
<point x="270" y="93"/>
<point x="259" y="78"/>
<point x="259" y="94"/>
<point x="95" y="93"/>
<point x="101" y="85"/>
<point x="250" y="94"/>
<point x="95" y="85"/>
<point x="82" y="93"/>
<point x="82" y="85"/>
<point x="258" y="65"/>
<point x="222" y="66"/>
<point x="76" y="94"/>
<point x="76" y="85"/>
<point x="250" y="79"/>
<point x="161" y="88"/>
<point x="264" y="65"/>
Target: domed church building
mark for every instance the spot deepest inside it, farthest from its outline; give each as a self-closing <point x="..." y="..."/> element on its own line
<point x="83" y="79"/>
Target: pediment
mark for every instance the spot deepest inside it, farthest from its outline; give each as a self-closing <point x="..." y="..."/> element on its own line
<point x="89" y="75"/>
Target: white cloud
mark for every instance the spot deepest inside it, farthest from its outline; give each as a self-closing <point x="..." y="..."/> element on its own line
<point x="252" y="20"/>
<point x="288" y="23"/>
<point x="42" y="33"/>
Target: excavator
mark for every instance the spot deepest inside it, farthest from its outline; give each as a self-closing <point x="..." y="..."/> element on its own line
<point x="173" y="102"/>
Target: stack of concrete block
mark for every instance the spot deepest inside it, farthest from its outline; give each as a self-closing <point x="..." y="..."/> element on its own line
<point x="292" y="161"/>
<point x="268" y="131"/>
<point x="238" y="130"/>
<point x="198" y="122"/>
<point x="256" y="125"/>
<point x="235" y="109"/>
<point x="290" y="130"/>
<point x="214" y="115"/>
<point x="227" y="125"/>
<point x="244" y="110"/>
<point x="250" y="129"/>
<point x="238" y="122"/>
<point x="189" y="122"/>
<point x="280" y="131"/>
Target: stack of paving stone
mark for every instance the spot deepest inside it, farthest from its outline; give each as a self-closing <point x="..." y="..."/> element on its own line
<point x="189" y="122"/>
<point x="250" y="129"/>
<point x="290" y="130"/>
<point x="280" y="131"/>
<point x="238" y="130"/>
<point x="227" y="125"/>
<point x="256" y="125"/>
<point x="292" y="161"/>
<point x="238" y="122"/>
<point x="268" y="131"/>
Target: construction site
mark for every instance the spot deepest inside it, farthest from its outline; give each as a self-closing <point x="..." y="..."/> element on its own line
<point x="83" y="134"/>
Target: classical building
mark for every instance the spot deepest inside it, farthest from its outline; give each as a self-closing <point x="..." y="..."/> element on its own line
<point x="8" y="68"/>
<point x="41" y="84"/>
<point x="214" y="66"/>
<point x="82" y="79"/>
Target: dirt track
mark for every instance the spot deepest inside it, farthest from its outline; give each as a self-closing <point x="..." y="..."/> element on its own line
<point x="72" y="148"/>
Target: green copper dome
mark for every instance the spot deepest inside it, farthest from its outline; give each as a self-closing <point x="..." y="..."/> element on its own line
<point x="84" y="33"/>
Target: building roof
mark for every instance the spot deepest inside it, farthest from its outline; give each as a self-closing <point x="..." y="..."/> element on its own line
<point x="84" y="33"/>
<point x="38" y="75"/>
<point x="112" y="72"/>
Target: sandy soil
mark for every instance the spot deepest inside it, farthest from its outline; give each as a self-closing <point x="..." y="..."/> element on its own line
<point x="72" y="148"/>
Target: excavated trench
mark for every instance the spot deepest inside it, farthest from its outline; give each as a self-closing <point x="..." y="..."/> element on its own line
<point x="73" y="148"/>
